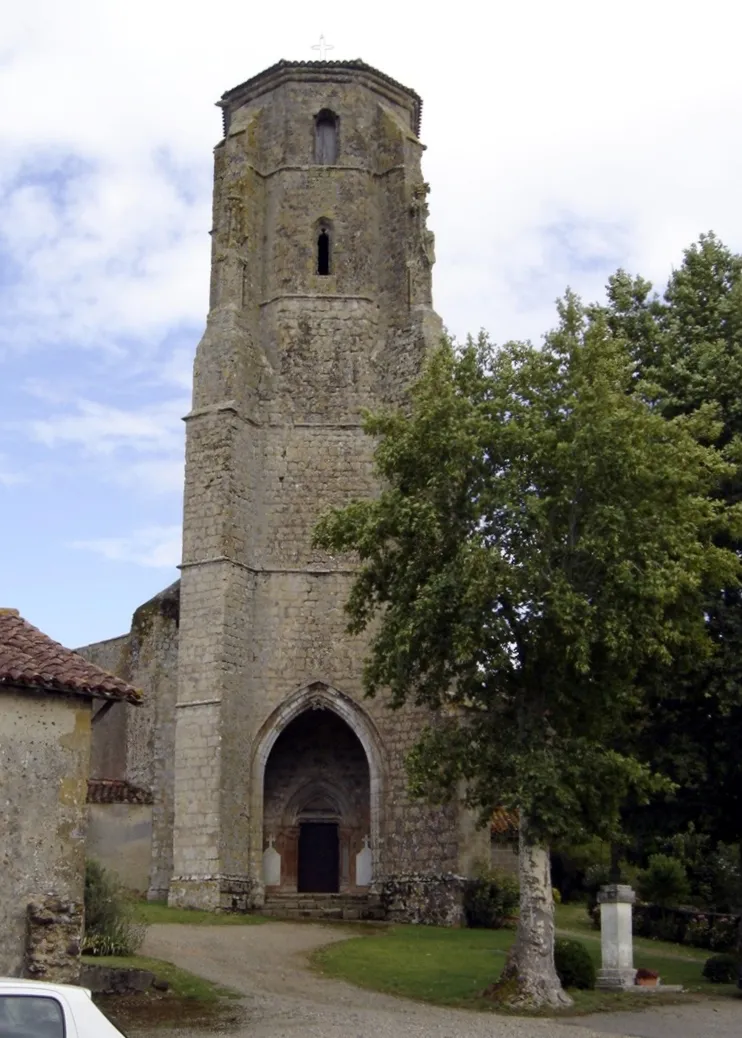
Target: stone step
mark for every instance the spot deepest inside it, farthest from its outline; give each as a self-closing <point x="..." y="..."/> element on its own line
<point x="320" y="906"/>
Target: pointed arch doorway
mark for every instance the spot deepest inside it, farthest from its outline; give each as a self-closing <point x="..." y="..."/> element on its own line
<point x="318" y="868"/>
<point x="319" y="771"/>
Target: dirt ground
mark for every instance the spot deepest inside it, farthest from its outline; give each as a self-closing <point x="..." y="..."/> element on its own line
<point x="283" y="998"/>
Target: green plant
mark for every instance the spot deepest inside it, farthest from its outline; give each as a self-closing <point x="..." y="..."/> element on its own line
<point x="646" y="974"/>
<point x="596" y="876"/>
<point x="664" y="882"/>
<point x="490" y="899"/>
<point x="723" y="933"/>
<point x="573" y="964"/>
<point x="557" y="895"/>
<point x="721" y="969"/>
<point x="110" y="928"/>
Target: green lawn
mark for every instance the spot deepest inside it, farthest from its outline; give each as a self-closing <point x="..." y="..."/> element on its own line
<point x="573" y="921"/>
<point x="190" y="1002"/>
<point x="452" y="967"/>
<point x="150" y="912"/>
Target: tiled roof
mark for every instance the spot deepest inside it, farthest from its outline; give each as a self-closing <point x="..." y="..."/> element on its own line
<point x="504" y="823"/>
<point x="116" y="791"/>
<point x="321" y="66"/>
<point x="29" y="659"/>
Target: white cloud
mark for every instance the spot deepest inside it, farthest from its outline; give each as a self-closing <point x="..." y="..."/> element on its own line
<point x="564" y="139"/>
<point x="154" y="547"/>
<point x="101" y="429"/>
<point x="155" y="476"/>
<point x="621" y="122"/>
<point x="9" y="477"/>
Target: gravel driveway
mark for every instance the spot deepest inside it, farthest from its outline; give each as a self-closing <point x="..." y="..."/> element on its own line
<point x="283" y="999"/>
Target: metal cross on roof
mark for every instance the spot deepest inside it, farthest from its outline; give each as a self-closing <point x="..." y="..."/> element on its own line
<point x="323" y="47"/>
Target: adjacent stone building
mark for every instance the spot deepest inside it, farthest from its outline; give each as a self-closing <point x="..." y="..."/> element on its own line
<point x="119" y="833"/>
<point x="270" y="772"/>
<point x="46" y="697"/>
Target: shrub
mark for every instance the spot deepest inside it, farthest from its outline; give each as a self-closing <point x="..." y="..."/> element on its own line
<point x="490" y="899"/>
<point x="596" y="877"/>
<point x="723" y="932"/>
<point x="721" y="969"/>
<point x="713" y="871"/>
<point x="664" y="882"/>
<point x="685" y="926"/>
<point x="574" y="966"/>
<point x="109" y="926"/>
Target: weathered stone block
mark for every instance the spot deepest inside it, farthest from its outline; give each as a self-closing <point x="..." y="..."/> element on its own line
<point x="54" y="939"/>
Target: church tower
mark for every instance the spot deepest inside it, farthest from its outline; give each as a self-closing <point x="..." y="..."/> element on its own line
<point x="286" y="779"/>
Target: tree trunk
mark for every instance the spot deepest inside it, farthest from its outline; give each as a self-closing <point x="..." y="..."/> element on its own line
<point x="529" y="979"/>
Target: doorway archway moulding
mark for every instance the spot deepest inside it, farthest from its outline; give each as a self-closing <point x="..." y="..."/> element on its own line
<point x="316" y="695"/>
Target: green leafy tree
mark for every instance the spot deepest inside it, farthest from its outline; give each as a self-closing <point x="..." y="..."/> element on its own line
<point x="541" y="535"/>
<point x="687" y="347"/>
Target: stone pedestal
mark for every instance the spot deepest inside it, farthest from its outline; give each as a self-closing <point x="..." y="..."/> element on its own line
<point x="617" y="950"/>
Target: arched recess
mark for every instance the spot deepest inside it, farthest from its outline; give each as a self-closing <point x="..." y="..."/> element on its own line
<point x="326" y="125"/>
<point x="324" y="236"/>
<point x="316" y="696"/>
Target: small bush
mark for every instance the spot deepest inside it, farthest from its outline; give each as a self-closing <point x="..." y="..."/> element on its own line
<point x="109" y="926"/>
<point x="664" y="882"/>
<point x="721" y="969"/>
<point x="490" y="899"/>
<point x="596" y="877"/>
<point x="574" y="966"/>
<point x="684" y="926"/>
<point x="723" y="933"/>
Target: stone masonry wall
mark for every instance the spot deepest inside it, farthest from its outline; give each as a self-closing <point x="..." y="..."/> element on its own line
<point x="53" y="939"/>
<point x="120" y="838"/>
<point x="44" y="761"/>
<point x="108" y="748"/>
<point x="144" y="736"/>
<point x="288" y="361"/>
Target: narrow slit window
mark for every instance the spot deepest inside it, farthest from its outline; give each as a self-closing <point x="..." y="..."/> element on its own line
<point x="323" y="252"/>
<point x="326" y="138"/>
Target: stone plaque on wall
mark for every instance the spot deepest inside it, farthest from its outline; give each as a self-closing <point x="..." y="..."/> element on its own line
<point x="364" y="860"/>
<point x="271" y="865"/>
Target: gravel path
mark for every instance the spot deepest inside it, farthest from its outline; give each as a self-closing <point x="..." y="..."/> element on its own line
<point x="283" y="999"/>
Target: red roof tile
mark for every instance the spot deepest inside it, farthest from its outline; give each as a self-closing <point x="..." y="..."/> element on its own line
<point x="29" y="659"/>
<point x="116" y="791"/>
<point x="504" y="822"/>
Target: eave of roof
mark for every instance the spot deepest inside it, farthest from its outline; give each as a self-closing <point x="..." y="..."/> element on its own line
<point x="31" y="661"/>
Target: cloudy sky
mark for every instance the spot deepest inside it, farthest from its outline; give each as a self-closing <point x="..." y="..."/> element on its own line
<point x="564" y="139"/>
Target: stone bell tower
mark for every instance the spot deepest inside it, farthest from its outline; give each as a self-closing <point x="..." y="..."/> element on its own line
<point x="320" y="307"/>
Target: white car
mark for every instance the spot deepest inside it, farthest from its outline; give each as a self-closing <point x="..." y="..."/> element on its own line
<point x="35" y="1009"/>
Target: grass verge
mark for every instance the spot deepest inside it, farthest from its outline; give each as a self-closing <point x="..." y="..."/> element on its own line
<point x="452" y="967"/>
<point x="151" y="912"/>
<point x="189" y="1001"/>
<point x="181" y="983"/>
<point x="573" y="921"/>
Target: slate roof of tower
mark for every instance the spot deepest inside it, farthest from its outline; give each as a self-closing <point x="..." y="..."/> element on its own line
<point x="321" y="66"/>
<point x="30" y="659"/>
